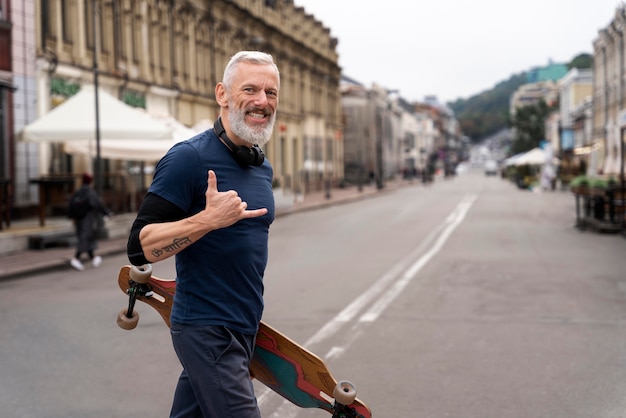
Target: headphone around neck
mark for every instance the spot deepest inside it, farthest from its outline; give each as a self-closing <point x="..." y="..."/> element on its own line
<point x="245" y="156"/>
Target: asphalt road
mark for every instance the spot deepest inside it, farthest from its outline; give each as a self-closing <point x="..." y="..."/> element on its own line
<point x="470" y="298"/>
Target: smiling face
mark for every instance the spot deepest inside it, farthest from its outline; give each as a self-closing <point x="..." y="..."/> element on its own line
<point x="249" y="102"/>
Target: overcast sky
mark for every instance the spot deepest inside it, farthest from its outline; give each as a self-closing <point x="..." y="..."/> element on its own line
<point x="456" y="48"/>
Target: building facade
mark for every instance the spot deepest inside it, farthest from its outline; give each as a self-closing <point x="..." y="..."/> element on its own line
<point x="530" y="94"/>
<point x="609" y="95"/>
<point x="571" y="140"/>
<point x="7" y="88"/>
<point x="386" y="136"/>
<point x="166" y="56"/>
<point x="366" y="128"/>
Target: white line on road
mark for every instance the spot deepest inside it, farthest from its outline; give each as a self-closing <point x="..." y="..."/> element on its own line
<point x="452" y="222"/>
<point x="350" y="311"/>
<point x="441" y="233"/>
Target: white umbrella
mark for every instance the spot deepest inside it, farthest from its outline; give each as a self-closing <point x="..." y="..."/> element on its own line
<point x="138" y="150"/>
<point x="535" y="156"/>
<point x="75" y="120"/>
<point x="511" y="160"/>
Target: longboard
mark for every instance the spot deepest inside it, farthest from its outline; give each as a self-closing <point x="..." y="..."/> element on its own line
<point x="278" y="362"/>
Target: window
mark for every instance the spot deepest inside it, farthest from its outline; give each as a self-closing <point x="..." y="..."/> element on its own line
<point x="48" y="20"/>
<point x="330" y="155"/>
<point x="89" y="22"/>
<point x="134" y="99"/>
<point x="4" y="12"/>
<point x="4" y="155"/>
<point x="136" y="29"/>
<point x="66" y="16"/>
<point x="283" y="156"/>
<point x="106" y="26"/>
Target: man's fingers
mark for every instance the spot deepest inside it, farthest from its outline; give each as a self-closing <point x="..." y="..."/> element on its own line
<point x="228" y="199"/>
<point x="212" y="181"/>
<point x="255" y="213"/>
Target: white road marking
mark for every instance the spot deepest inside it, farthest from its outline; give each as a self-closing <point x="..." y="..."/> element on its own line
<point x="441" y="233"/>
<point x="453" y="221"/>
<point x="334" y="352"/>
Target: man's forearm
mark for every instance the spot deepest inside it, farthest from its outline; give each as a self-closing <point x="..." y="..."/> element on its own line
<point x="163" y="240"/>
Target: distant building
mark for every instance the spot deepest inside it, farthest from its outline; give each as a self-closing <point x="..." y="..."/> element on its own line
<point x="551" y="72"/>
<point x="542" y="84"/>
<point x="530" y="94"/>
<point x="571" y="143"/>
<point x="574" y="89"/>
<point x="385" y="135"/>
<point x="446" y="142"/>
<point x="371" y="133"/>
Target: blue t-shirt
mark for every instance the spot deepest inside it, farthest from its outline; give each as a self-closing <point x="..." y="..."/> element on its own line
<point x="219" y="277"/>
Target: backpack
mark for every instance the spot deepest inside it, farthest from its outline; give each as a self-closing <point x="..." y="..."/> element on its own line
<point x="79" y="205"/>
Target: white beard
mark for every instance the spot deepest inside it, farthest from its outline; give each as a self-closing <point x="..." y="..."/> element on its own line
<point x="259" y="136"/>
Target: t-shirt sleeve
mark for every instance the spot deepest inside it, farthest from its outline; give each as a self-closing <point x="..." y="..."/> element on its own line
<point x="177" y="176"/>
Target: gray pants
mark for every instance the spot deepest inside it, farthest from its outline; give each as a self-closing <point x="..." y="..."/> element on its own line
<point x="215" y="382"/>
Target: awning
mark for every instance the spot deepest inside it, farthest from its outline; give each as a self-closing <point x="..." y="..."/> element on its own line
<point x="134" y="150"/>
<point x="535" y="156"/>
<point x="126" y="133"/>
<point x="75" y="120"/>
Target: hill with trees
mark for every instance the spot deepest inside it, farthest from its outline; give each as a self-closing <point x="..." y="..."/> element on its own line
<point x="487" y="113"/>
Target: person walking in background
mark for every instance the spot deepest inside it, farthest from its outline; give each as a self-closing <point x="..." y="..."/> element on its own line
<point x="211" y="205"/>
<point x="84" y="208"/>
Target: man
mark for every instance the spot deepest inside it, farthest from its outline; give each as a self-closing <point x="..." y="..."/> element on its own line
<point x="84" y="209"/>
<point x="211" y="204"/>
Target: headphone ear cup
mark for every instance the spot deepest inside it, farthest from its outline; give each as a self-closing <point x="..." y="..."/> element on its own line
<point x="249" y="156"/>
<point x="243" y="155"/>
<point x="259" y="157"/>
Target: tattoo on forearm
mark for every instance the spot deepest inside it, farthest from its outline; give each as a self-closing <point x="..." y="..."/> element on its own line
<point x="176" y="244"/>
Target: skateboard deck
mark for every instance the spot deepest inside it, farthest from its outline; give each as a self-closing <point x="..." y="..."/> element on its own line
<point x="278" y="362"/>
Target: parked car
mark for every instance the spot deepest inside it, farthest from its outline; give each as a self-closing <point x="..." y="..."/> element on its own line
<point x="491" y="168"/>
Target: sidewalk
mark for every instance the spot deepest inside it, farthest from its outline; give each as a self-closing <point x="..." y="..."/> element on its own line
<point x="24" y="262"/>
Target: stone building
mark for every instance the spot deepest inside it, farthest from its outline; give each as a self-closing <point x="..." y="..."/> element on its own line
<point x="364" y="132"/>
<point x="166" y="56"/>
<point x="531" y="93"/>
<point x="381" y="134"/>
<point x="6" y="110"/>
<point x="609" y="95"/>
<point x="445" y="149"/>
<point x="571" y="135"/>
<point x="386" y="136"/>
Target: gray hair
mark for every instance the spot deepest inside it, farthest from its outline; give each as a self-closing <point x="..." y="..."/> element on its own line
<point x="251" y="57"/>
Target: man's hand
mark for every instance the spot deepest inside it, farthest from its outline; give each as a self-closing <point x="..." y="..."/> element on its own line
<point x="226" y="208"/>
<point x="162" y="240"/>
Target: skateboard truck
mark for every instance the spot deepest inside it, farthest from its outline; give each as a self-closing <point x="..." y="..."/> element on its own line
<point x="127" y="318"/>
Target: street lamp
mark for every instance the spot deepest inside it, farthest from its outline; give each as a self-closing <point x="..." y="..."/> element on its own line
<point x="620" y="30"/>
<point x="97" y="168"/>
<point x="622" y="199"/>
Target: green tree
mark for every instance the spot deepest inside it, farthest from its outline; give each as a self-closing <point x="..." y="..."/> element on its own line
<point x="529" y="125"/>
<point x="581" y="61"/>
<point x="485" y="114"/>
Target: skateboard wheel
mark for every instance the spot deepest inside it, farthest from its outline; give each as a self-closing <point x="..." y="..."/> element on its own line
<point x="127" y="323"/>
<point x="344" y="393"/>
<point x="141" y="274"/>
